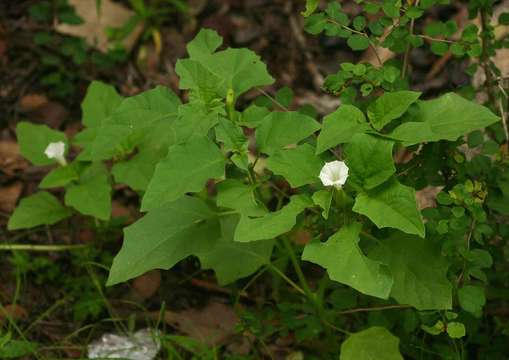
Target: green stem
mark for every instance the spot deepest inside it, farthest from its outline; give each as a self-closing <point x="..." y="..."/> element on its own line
<point x="298" y="270"/>
<point x="29" y="247"/>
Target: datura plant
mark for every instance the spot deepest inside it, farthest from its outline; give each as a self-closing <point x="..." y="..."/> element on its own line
<point x="231" y="184"/>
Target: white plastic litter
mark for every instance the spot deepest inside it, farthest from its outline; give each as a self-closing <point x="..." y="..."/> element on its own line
<point x="142" y="345"/>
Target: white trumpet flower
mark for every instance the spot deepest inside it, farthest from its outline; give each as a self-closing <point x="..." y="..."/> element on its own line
<point x="334" y="173"/>
<point x="56" y="150"/>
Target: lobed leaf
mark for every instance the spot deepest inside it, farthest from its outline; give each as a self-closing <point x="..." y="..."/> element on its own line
<point x="344" y="261"/>
<point x="299" y="166"/>
<point x="391" y="205"/>
<point x="273" y="224"/>
<point x="163" y="237"/>
<point x="42" y="208"/>
<point x="446" y="118"/>
<point x="186" y="168"/>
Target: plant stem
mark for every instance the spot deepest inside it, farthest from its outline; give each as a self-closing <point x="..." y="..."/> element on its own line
<point x="30" y="247"/>
<point x="298" y="270"/>
<point x="374" y="308"/>
<point x="485" y="56"/>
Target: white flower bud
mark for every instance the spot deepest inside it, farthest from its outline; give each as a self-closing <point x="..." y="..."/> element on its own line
<point x="334" y="173"/>
<point x="56" y="151"/>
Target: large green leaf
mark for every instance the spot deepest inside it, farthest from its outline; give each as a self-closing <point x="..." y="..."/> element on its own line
<point x="239" y="69"/>
<point x="369" y="159"/>
<point x="346" y="263"/>
<point x="42" y="208"/>
<point x="99" y="103"/>
<point x="391" y="205"/>
<point x="231" y="135"/>
<point x="374" y="343"/>
<point x="194" y="119"/>
<point x="234" y="194"/>
<point x="92" y="194"/>
<point x="273" y="224"/>
<point x="137" y="171"/>
<point x="390" y="106"/>
<point x="206" y="42"/>
<point x="340" y="126"/>
<point x="62" y="175"/>
<point x="135" y="115"/>
<point x="445" y="118"/>
<point x="279" y="129"/>
<point x="185" y="169"/>
<point x="204" y="85"/>
<point x="419" y="271"/>
<point x="299" y="166"/>
<point x="165" y="236"/>
<point x="232" y="260"/>
<point x="33" y="140"/>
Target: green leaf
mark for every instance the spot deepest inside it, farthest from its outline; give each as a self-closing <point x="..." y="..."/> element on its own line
<point x="234" y="194"/>
<point x="273" y="224"/>
<point x="243" y="259"/>
<point x="346" y="263"/>
<point x="391" y="205"/>
<point x="206" y="42"/>
<point x="15" y="349"/>
<point x="340" y="126"/>
<point x="253" y="116"/>
<point x="390" y="106"/>
<point x="323" y="198"/>
<point x="204" y="85"/>
<point x="311" y="6"/>
<point x="62" y="175"/>
<point x="456" y="330"/>
<point x="439" y="48"/>
<point x="163" y="237"/>
<point x="92" y="194"/>
<point x="299" y="166"/>
<point x="33" y="140"/>
<point x="138" y="170"/>
<point x="135" y="115"/>
<point x="231" y="136"/>
<point x="369" y="159"/>
<point x="185" y="169"/>
<point x="436" y="329"/>
<point x="238" y="69"/>
<point x="42" y="208"/>
<point x="194" y="119"/>
<point x="99" y="103"/>
<point x="472" y="299"/>
<point x="419" y="270"/>
<point x="315" y="23"/>
<point x="373" y="343"/>
<point x="446" y="118"/>
<point x="284" y="96"/>
<point x="358" y="42"/>
<point x="279" y="129"/>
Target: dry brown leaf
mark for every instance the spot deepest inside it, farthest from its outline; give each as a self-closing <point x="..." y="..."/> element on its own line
<point x="212" y="325"/>
<point x="427" y="197"/>
<point x="9" y="196"/>
<point x="147" y="284"/>
<point x="10" y="158"/>
<point x="31" y="102"/>
<point x="95" y="23"/>
<point x="15" y="312"/>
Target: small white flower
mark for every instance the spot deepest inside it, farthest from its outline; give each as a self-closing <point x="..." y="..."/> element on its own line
<point x="334" y="173"/>
<point x="56" y="151"/>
